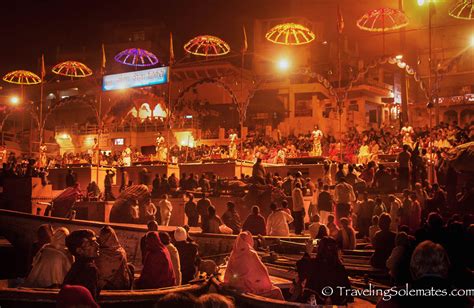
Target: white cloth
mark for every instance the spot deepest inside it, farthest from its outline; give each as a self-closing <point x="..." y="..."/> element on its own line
<point x="344" y="193"/>
<point x="165" y="210"/>
<point x="174" y="254"/>
<point x="277" y="223"/>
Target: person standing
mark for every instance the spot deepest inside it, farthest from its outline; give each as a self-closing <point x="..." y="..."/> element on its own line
<point x="278" y="221"/>
<point x="190" y="209"/>
<point x="344" y="196"/>
<point x="109" y="178"/>
<point x="298" y="208"/>
<point x="202" y="205"/>
<point x="325" y="204"/>
<point x="71" y="178"/>
<point x="165" y="210"/>
<point x="258" y="172"/>
<point x="404" y="168"/>
<point x="123" y="179"/>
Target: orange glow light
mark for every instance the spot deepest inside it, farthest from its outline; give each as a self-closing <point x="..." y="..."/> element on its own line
<point x="22" y="77"/>
<point x="207" y="45"/>
<point x="72" y="69"/>
<point x="290" y="34"/>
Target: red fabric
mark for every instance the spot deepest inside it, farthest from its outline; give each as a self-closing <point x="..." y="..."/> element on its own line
<point x="73" y="296"/>
<point x="157" y="269"/>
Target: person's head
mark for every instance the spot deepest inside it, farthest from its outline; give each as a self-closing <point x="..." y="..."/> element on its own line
<point x="316" y="218"/>
<point x="402" y="239"/>
<point x="214" y="300"/>
<point x="298" y="185"/>
<point x="259" y="160"/>
<point x="44" y="233"/>
<point x="378" y="200"/>
<point x="405" y="147"/>
<point x="350" y="168"/>
<point x="435" y="221"/>
<point x="418" y="186"/>
<point x="177" y="300"/>
<point x="284" y="204"/>
<point x="345" y="222"/>
<point x="435" y="186"/>
<point x="164" y="238"/>
<point x="59" y="238"/>
<point x="375" y="220"/>
<point x="341" y="179"/>
<point x="75" y="296"/>
<point x="429" y="259"/>
<point x="231" y="206"/>
<point x="406" y="193"/>
<point x="211" y="210"/>
<point x="330" y="218"/>
<point x="326" y="187"/>
<point x="255" y="210"/>
<point x="82" y="244"/>
<point x="164" y="196"/>
<point x="69" y="171"/>
<point x="340" y="166"/>
<point x="190" y="196"/>
<point x="180" y="234"/>
<point x="384" y="222"/>
<point x="391" y="198"/>
<point x="328" y="251"/>
<point x="273" y="206"/>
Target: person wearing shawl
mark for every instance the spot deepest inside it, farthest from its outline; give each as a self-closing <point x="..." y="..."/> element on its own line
<point x="188" y="255"/>
<point x="326" y="270"/>
<point x="174" y="254"/>
<point x="157" y="269"/>
<point x="75" y="296"/>
<point x="51" y="263"/>
<point x="114" y="273"/>
<point x="246" y="272"/>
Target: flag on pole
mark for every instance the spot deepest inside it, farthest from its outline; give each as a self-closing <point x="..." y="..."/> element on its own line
<point x="104" y="59"/>
<point x="171" y="49"/>
<point x="43" y="70"/>
<point x="340" y="20"/>
<point x="246" y="46"/>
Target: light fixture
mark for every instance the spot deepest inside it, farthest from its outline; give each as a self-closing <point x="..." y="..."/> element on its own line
<point x="290" y="34"/>
<point x="399" y="57"/>
<point x="283" y="64"/>
<point x="421" y="2"/>
<point x="472" y="41"/>
<point x="14" y="100"/>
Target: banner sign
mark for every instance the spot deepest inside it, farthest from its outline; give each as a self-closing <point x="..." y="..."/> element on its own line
<point x="136" y="79"/>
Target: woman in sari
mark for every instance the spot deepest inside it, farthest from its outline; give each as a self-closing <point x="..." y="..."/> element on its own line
<point x="157" y="269"/>
<point x="246" y="272"/>
<point x="114" y="273"/>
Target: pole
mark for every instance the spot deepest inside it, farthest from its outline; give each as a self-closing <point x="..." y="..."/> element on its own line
<point x="241" y="112"/>
<point x="169" y="119"/>
<point x="99" y="132"/>
<point x="339" y="100"/>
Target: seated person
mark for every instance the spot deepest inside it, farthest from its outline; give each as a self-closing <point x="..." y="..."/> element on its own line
<point x="157" y="269"/>
<point x="51" y="263"/>
<point x="114" y="272"/>
<point x="246" y="272"/>
<point x="326" y="270"/>
<point x="82" y="244"/>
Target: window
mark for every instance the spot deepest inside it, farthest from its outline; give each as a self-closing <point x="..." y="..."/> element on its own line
<point x="303" y="105"/>
<point x="119" y="141"/>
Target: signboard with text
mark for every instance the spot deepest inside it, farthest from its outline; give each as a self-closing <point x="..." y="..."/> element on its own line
<point x="135" y="79"/>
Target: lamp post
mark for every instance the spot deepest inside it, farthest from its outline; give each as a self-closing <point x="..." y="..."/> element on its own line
<point x="13" y="101"/>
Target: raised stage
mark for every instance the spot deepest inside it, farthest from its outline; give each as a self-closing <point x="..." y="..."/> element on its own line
<point x="85" y="174"/>
<point x="225" y="168"/>
<point x="133" y="171"/>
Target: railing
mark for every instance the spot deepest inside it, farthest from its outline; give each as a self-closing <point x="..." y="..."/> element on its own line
<point x="110" y="128"/>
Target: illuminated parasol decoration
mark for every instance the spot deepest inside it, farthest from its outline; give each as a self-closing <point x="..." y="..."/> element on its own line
<point x="381" y="20"/>
<point x="136" y="57"/>
<point x="22" y="77"/>
<point x="207" y="45"/>
<point x="463" y="10"/>
<point x="290" y="34"/>
<point x="72" y="69"/>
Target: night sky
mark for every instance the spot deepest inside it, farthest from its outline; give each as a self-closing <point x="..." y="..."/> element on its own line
<point x="36" y="26"/>
<point x="31" y="27"/>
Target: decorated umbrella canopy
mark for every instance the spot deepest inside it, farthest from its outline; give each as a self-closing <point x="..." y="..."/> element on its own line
<point x="290" y="34"/>
<point x="72" y="69"/>
<point x="136" y="57"/>
<point x="381" y="20"/>
<point x="22" y="77"/>
<point x="462" y="10"/>
<point x="207" y="45"/>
